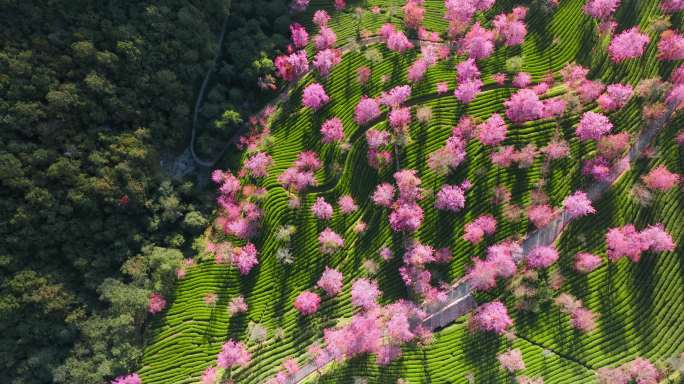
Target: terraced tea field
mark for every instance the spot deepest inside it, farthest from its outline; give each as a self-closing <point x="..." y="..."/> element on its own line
<point x="640" y="306"/>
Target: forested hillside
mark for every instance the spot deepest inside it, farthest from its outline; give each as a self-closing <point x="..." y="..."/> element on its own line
<point x="96" y="101"/>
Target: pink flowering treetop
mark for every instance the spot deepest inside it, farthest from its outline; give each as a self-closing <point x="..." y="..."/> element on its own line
<point x="450" y="198"/>
<point x="629" y="44"/>
<point x="542" y="257"/>
<point x="671" y="46"/>
<point x="492" y="317"/>
<point x="476" y="230"/>
<point x="314" y="96"/>
<point x="522" y="80"/>
<point x="400" y="119"/>
<point x="419" y="254"/>
<point x="467" y="90"/>
<point x="540" y="214"/>
<point x="325" y="60"/>
<point x="383" y="195"/>
<point x="408" y="184"/>
<point x="601" y="9"/>
<point x="511" y="28"/>
<point x="583" y="320"/>
<point x="290" y="67"/>
<point x="661" y="179"/>
<point x="209" y="375"/>
<point x="257" y="165"/>
<point x="299" y="35"/>
<point x="364" y="294"/>
<point x="307" y="303"/>
<point x="524" y="105"/>
<point x="233" y="354"/>
<point x="417" y="70"/>
<point x="398" y="42"/>
<point x="478" y="43"/>
<point x="245" y="258"/>
<point x="413" y="14"/>
<point x="657" y="239"/>
<point x="331" y="281"/>
<point x="299" y="5"/>
<point x="322" y="209"/>
<point x="578" y="204"/>
<point x="330" y="241"/>
<point x="366" y="110"/>
<point x="512" y="360"/>
<point x="395" y="96"/>
<point x="447" y="158"/>
<point x="493" y="131"/>
<point x="237" y="305"/>
<point x="615" y="97"/>
<point x="325" y="39"/>
<point x="347" y="204"/>
<point x="467" y="70"/>
<point x="672" y="6"/>
<point x="332" y="131"/>
<point x="627" y="241"/>
<point x="132" y="378"/>
<point x="592" y="126"/>
<point x="482" y="275"/>
<point x="406" y="217"/>
<point x="586" y="262"/>
<point x="321" y="17"/>
<point x="156" y="303"/>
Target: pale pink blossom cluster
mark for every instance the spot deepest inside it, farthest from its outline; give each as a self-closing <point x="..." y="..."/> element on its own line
<point x="332" y="131"/>
<point x="366" y="110"/>
<point x="627" y="242"/>
<point x="244" y="258"/>
<point x="132" y="378"/>
<point x="314" y="96"/>
<point x="525" y="379"/>
<point x="450" y="198"/>
<point x="599" y="168"/>
<point x="498" y="264"/>
<point x="257" y="164"/>
<point x="511" y="360"/>
<point x="478" y="43"/>
<point x="672" y="6"/>
<point x="399" y="120"/>
<point x="522" y="80"/>
<point x="540" y="214"/>
<point x="307" y="303"/>
<point x="364" y="294"/>
<point x="347" y="204"/>
<point x="615" y="97"/>
<point x="233" y="353"/>
<point x="363" y="74"/>
<point x="331" y="281"/>
<point x="556" y="149"/>
<point x="639" y="370"/>
<point x="417" y="70"/>
<point x="322" y="209"/>
<point x="469" y="82"/>
<point x="239" y="213"/>
<point x="450" y="156"/>
<point x="419" y="254"/>
<point x="325" y="60"/>
<point x="671" y="45"/>
<point x="156" y="303"/>
<point x="299" y="5"/>
<point x="475" y="231"/>
<point x="325" y="39"/>
<point x="661" y="179"/>
<point x="629" y="44"/>
<point x="578" y="205"/>
<point x="330" y="241"/>
<point x="290" y="67"/>
<point x="299" y="35"/>
<point x="586" y="262"/>
<point x="491" y="317"/>
<point x="414" y="14"/>
<point x="511" y="27"/>
<point x="524" y="105"/>
<point x="592" y="126"/>
<point x="321" y="17"/>
<point x="237" y="305"/>
<point x="581" y="318"/>
<point x="301" y="175"/>
<point x="492" y="131"/>
<point x="542" y="256"/>
<point x="209" y="376"/>
<point x="601" y="9"/>
<point x="396" y="96"/>
<point x="383" y="195"/>
<point x="398" y="42"/>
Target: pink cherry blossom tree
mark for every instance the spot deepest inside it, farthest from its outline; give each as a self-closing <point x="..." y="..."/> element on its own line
<point x="307" y="303"/>
<point x="671" y="45"/>
<point x="314" y="96"/>
<point x="661" y="179"/>
<point x="578" y="204"/>
<point x="592" y="126"/>
<point x="586" y="262"/>
<point x="629" y="44"/>
<point x="330" y="241"/>
<point x="233" y="354"/>
<point x="366" y="110"/>
<point x="511" y="360"/>
<point x="325" y="60"/>
<point x="542" y="257"/>
<point x="524" y="105"/>
<point x="493" y="131"/>
<point x="322" y="209"/>
<point x="331" y="281"/>
<point x="492" y="317"/>
<point x="364" y="294"/>
<point x="156" y="303"/>
<point x="299" y="35"/>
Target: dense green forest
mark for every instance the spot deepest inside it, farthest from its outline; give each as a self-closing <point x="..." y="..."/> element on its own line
<point x="96" y="102"/>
